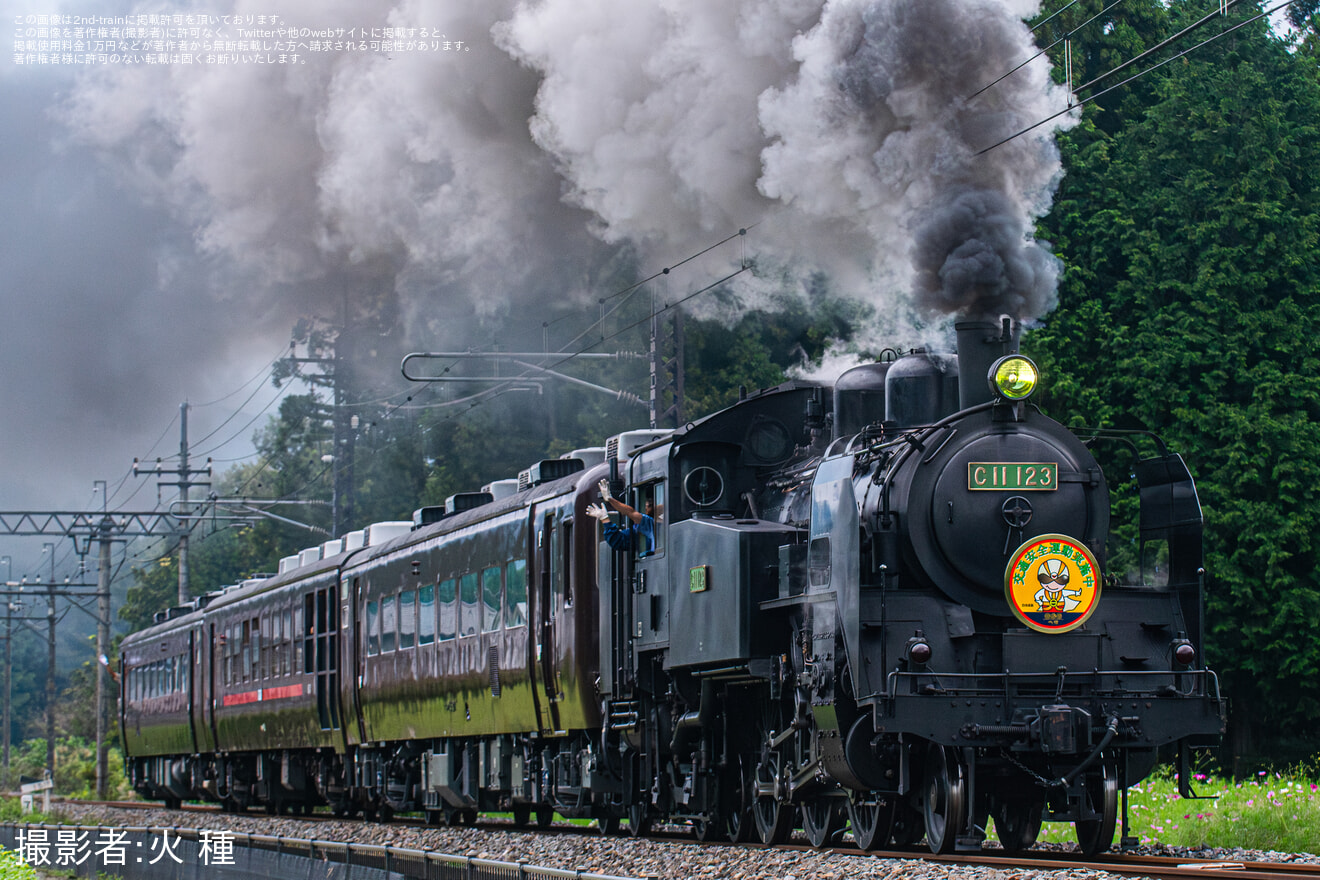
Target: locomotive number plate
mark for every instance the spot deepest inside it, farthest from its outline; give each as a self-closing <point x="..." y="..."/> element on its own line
<point x="1037" y="476"/>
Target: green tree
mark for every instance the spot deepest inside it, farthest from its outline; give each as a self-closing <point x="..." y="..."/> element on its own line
<point x="1189" y="306"/>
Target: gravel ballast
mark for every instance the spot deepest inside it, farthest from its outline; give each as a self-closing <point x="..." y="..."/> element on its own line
<point x="618" y="856"/>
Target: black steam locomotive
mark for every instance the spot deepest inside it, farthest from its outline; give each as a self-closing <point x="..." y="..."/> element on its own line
<point x="883" y="604"/>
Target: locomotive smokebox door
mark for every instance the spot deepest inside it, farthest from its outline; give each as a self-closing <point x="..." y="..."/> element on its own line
<point x="991" y="485"/>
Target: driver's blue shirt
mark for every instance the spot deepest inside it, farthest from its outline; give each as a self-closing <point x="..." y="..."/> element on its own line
<point x="639" y="536"/>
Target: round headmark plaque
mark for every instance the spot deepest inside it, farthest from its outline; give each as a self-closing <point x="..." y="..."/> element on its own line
<point x="1052" y="583"/>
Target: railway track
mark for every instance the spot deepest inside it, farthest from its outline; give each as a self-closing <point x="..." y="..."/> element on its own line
<point x="1064" y="862"/>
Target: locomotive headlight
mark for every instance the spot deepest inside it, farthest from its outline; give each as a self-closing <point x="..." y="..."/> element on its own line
<point x="1014" y="377"/>
<point x="918" y="651"/>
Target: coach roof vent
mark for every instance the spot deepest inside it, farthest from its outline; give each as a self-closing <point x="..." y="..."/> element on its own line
<point x="288" y="563"/>
<point x="501" y="489"/>
<point x="310" y="555"/>
<point x="589" y="457"/>
<point x="548" y="470"/>
<point x="355" y="540"/>
<point x="379" y="533"/>
<point x="622" y="446"/>
<point x="424" y="516"/>
<point x="462" y="501"/>
<point x="332" y="548"/>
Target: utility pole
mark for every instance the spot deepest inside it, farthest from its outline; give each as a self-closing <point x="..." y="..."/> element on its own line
<point x="102" y="665"/>
<point x="50" y="664"/>
<point x="9" y="658"/>
<point x="337" y="374"/>
<point x="666" y="369"/>
<point x="185" y="482"/>
<point x="344" y="437"/>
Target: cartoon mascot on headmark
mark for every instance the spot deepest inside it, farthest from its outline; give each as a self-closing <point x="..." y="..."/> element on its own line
<point x="1052" y="583"/>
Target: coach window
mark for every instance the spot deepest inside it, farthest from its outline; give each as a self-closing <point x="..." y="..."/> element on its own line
<point x="265" y="645"/>
<point x="373" y="633"/>
<point x="297" y="642"/>
<point x="515" y="588"/>
<point x="491" y="584"/>
<point x="246" y="650"/>
<point x="447" y="598"/>
<point x="283" y="641"/>
<point x="562" y="574"/>
<point x="388" y="625"/>
<point x="407" y="619"/>
<point x="276" y="644"/>
<point x="426" y="615"/>
<point x="651" y="501"/>
<point x="468" y="609"/>
<point x="287" y="628"/>
<point x="227" y="653"/>
<point x="254" y="649"/>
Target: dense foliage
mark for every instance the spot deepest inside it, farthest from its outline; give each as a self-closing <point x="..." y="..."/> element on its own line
<point x="1188" y="221"/>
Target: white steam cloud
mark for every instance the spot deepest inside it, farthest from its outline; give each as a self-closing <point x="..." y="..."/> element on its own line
<point x="508" y="174"/>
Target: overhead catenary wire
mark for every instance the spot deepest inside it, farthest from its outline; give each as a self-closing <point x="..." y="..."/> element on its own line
<point x="1222" y="9"/>
<point x="262" y="375"/>
<point x="1065" y="38"/>
<point x="505" y="383"/>
<point x="1100" y="94"/>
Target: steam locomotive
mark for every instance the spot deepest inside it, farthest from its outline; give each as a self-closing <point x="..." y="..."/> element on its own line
<point x="883" y="605"/>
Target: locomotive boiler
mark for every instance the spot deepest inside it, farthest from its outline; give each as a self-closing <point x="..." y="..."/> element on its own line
<point x="887" y="605"/>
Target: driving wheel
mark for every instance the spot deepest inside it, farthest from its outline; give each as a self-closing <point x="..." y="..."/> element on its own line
<point x="871" y="818"/>
<point x="945" y="802"/>
<point x="1097" y="834"/>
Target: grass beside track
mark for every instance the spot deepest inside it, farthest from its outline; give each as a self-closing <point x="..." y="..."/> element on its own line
<point x="1273" y="810"/>
<point x="1277" y="811"/>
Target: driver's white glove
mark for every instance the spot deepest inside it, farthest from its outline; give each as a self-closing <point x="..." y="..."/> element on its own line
<point x="604" y="489"/>
<point x="599" y="512"/>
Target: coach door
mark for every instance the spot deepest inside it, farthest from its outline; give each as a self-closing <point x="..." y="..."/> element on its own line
<point x="320" y="619"/>
<point x="547" y="623"/>
<point x="201" y="687"/>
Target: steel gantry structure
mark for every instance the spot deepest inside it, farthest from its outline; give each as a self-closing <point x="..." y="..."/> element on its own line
<point x="85" y="529"/>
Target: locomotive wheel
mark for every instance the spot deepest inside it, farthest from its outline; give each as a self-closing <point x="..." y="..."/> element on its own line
<point x="774" y="821"/>
<point x="871" y="821"/>
<point x="945" y="804"/>
<point x="1097" y="835"/>
<point x="1018" y="824"/>
<point x="710" y="830"/>
<point x="609" y="825"/>
<point x="639" y="820"/>
<point x="741" y="825"/>
<point x="822" y="818"/>
<point x="908" y="828"/>
<point x="544" y="816"/>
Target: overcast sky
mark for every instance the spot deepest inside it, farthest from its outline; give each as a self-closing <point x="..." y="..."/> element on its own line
<point x="165" y="224"/>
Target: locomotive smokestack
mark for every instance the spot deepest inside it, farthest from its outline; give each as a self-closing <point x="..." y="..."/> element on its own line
<point x="980" y="344"/>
